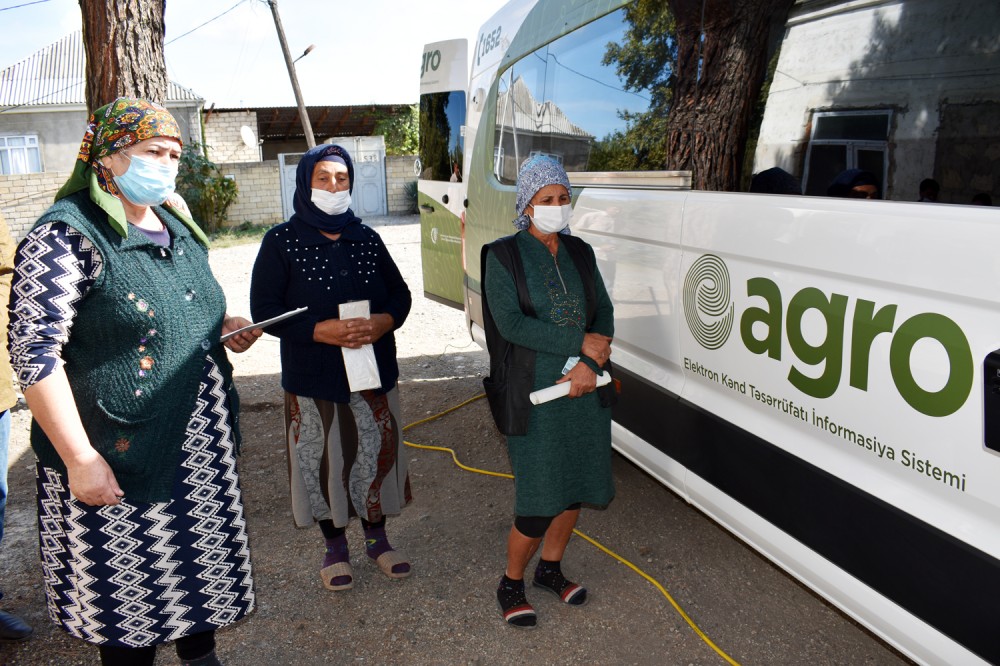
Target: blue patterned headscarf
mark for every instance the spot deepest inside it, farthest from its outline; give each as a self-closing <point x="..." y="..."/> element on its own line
<point x="536" y="173"/>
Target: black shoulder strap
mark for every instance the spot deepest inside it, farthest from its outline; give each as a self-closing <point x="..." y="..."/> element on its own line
<point x="581" y="259"/>
<point x="505" y="250"/>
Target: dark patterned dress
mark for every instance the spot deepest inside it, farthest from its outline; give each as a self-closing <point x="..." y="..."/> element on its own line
<point x="346" y="460"/>
<point x="565" y="457"/>
<point x="135" y="574"/>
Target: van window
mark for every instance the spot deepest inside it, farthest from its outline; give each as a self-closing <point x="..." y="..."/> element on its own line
<point x="441" y="118"/>
<point x="567" y="100"/>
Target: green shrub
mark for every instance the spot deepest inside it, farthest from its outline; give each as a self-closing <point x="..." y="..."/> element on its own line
<point x="410" y="190"/>
<point x="240" y="234"/>
<point x="207" y="192"/>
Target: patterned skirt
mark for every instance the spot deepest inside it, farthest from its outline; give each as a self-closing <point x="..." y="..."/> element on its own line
<point x="345" y="459"/>
<point x="139" y="574"/>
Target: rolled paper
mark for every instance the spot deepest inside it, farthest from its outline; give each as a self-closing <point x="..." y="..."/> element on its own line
<point x="560" y="390"/>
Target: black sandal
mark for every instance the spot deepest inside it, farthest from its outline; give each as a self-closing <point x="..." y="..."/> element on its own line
<point x="552" y="579"/>
<point x="514" y="606"/>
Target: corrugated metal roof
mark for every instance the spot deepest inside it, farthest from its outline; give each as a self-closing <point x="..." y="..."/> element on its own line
<point x="55" y="76"/>
<point x="531" y="116"/>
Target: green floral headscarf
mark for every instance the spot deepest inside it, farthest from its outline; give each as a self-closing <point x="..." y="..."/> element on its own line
<point x="113" y="127"/>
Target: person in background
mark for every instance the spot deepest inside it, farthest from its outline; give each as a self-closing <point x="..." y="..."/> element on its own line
<point x="564" y="460"/>
<point x="344" y="447"/>
<point x="982" y="199"/>
<point x="929" y="190"/>
<point x="12" y="628"/>
<point x="115" y="333"/>
<point x="775" y="181"/>
<point x="855" y="184"/>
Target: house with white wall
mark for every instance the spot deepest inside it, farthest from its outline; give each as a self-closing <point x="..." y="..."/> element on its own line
<point x="43" y="116"/>
<point x="907" y="89"/>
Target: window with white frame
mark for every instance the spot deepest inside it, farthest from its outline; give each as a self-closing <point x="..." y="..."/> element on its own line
<point x="19" y="154"/>
<point x="842" y="140"/>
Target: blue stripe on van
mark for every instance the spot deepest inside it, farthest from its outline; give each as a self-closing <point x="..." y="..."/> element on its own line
<point x="943" y="581"/>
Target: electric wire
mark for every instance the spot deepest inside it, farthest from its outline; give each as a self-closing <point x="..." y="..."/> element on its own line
<point x="36" y="2"/>
<point x="680" y="611"/>
<point x="205" y="23"/>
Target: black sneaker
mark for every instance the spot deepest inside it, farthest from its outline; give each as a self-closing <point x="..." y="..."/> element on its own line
<point x="13" y="628"/>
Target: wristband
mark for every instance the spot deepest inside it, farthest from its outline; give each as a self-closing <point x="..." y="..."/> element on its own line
<point x="591" y="363"/>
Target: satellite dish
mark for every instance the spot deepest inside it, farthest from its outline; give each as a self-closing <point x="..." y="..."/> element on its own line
<point x="248" y="137"/>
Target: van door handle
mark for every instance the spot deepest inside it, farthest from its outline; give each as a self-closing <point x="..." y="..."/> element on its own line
<point x="424" y="208"/>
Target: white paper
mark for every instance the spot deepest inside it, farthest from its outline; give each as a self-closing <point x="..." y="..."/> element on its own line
<point x="360" y="364"/>
<point x="561" y="390"/>
<point x="266" y="322"/>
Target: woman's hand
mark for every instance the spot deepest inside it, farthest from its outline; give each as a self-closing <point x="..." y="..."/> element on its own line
<point x="241" y="342"/>
<point x="596" y="347"/>
<point x="353" y="333"/>
<point x="584" y="380"/>
<point x="54" y="409"/>
<point x="91" y="480"/>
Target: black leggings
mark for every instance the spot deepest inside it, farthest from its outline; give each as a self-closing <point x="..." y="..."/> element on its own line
<point x="188" y="647"/>
<point x="534" y="527"/>
<point x="331" y="532"/>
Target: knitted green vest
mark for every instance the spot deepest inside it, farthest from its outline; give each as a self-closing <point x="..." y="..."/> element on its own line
<point x="137" y="348"/>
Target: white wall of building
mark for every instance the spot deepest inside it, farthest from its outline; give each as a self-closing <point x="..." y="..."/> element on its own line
<point x="909" y="56"/>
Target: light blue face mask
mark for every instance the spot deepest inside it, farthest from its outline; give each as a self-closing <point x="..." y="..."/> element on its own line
<point x="145" y="182"/>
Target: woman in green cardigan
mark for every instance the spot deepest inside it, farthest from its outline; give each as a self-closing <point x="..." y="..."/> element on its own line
<point x="564" y="460"/>
<point x="115" y="333"/>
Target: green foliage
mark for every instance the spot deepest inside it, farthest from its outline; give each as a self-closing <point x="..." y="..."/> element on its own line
<point x="644" y="60"/>
<point x="241" y="234"/>
<point x="410" y="190"/>
<point x="207" y="192"/>
<point x="401" y="132"/>
<point x="613" y="153"/>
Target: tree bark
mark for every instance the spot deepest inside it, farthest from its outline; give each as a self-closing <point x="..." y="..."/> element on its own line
<point x="711" y="110"/>
<point x="123" y="40"/>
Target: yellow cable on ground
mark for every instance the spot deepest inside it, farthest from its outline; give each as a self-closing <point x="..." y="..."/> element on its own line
<point x="580" y="534"/>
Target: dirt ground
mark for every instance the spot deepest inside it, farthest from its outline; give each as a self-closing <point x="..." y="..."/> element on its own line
<point x="455" y="532"/>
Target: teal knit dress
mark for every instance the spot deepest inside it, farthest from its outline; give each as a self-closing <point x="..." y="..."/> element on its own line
<point x="566" y="456"/>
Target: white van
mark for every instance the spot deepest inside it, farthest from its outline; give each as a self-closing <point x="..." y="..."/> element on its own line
<point x="819" y="375"/>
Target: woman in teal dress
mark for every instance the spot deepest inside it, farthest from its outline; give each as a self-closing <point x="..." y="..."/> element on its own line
<point x="564" y="460"/>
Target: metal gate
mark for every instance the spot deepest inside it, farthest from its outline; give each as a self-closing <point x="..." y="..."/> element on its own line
<point x="368" y="153"/>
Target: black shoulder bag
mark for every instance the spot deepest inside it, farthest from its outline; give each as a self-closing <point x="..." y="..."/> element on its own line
<point x="512" y="367"/>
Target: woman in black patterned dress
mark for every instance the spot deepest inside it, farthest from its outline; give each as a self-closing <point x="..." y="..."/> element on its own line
<point x="115" y="338"/>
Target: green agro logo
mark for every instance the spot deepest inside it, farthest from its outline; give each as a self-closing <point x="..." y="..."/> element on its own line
<point x="709" y="311"/>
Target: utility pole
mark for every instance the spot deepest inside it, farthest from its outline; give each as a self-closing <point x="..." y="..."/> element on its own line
<point x="303" y="114"/>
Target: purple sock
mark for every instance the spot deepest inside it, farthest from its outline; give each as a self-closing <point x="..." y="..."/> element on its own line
<point x="336" y="551"/>
<point x="376" y="543"/>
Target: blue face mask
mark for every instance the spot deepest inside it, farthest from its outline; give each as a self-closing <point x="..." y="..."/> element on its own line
<point x="147" y="183"/>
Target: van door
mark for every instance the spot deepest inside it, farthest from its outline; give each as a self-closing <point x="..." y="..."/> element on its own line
<point x="441" y="189"/>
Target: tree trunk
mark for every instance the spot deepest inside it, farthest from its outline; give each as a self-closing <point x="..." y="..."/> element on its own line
<point x="711" y="109"/>
<point x="123" y="40"/>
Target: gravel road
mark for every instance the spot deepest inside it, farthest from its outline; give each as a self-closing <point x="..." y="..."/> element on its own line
<point x="455" y="532"/>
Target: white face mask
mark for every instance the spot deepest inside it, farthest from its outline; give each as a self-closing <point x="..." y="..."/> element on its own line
<point x="331" y="203"/>
<point x="552" y="219"/>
